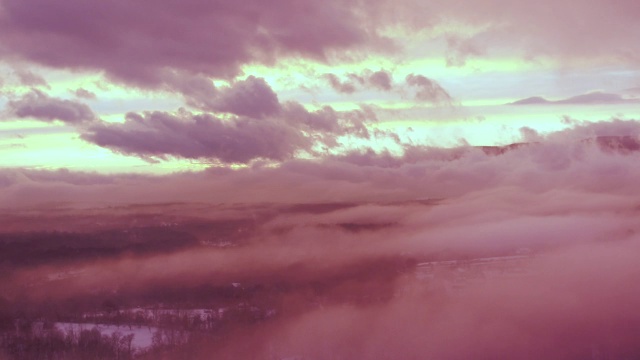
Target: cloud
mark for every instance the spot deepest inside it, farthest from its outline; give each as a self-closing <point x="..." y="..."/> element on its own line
<point x="381" y="80"/>
<point x="84" y="94"/>
<point x="243" y="122"/>
<point x="526" y="30"/>
<point x="427" y="90"/>
<point x="288" y="130"/>
<point x="38" y="105"/>
<point x="582" y="130"/>
<point x="460" y="49"/>
<point x="251" y="97"/>
<point x="158" y="135"/>
<point x="191" y="38"/>
<point x="30" y="79"/>
<point x="337" y="85"/>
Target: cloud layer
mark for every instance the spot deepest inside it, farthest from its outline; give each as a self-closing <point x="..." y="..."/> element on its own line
<point x="334" y="245"/>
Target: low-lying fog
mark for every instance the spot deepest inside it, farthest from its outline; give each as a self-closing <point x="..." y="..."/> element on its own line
<point x="335" y="249"/>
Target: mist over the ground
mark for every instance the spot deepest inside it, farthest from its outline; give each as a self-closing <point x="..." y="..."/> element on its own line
<point x="336" y="247"/>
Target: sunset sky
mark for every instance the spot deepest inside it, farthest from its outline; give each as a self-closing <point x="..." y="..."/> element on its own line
<point x="165" y="86"/>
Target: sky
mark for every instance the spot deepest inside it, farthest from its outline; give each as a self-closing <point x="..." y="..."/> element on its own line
<point x="167" y="86"/>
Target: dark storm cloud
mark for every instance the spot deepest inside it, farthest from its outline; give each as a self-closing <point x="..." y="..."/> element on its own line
<point x="40" y="106"/>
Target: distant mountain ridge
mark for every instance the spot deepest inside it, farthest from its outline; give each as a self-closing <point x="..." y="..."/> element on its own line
<point x="633" y="90"/>
<point x="584" y="99"/>
<point x="613" y="143"/>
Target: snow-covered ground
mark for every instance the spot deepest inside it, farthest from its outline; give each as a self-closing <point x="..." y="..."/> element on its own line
<point x="142" y="335"/>
<point x="454" y="275"/>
